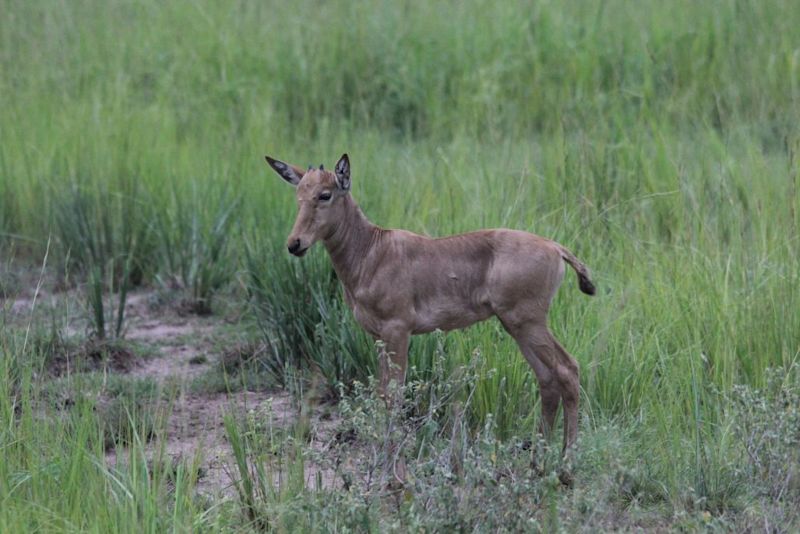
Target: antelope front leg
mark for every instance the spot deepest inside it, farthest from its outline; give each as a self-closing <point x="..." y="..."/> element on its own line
<point x="393" y="360"/>
<point x="392" y="363"/>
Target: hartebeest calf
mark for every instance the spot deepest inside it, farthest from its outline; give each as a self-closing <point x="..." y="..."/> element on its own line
<point x="398" y="283"/>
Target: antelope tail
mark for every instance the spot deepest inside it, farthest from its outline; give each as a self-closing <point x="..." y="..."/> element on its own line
<point x="584" y="282"/>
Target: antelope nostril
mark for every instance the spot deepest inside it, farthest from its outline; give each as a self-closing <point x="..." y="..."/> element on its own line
<point x="294" y="246"/>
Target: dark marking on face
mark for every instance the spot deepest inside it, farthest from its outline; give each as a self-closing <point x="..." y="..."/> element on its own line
<point x="321" y="167"/>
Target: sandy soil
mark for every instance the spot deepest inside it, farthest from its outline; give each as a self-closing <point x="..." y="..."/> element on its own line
<point x="185" y="347"/>
<point x="194" y="428"/>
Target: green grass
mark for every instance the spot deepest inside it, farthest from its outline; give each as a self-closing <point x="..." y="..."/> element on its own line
<point x="659" y="142"/>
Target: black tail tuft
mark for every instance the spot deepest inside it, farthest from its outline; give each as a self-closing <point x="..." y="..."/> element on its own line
<point x="584" y="282"/>
<point x="586" y="285"/>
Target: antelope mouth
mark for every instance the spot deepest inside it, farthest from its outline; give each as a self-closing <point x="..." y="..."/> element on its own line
<point x="300" y="252"/>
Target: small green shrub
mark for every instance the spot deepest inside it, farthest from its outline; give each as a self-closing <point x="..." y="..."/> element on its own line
<point x="302" y="316"/>
<point x="104" y="237"/>
<point x="127" y="410"/>
<point x="195" y="237"/>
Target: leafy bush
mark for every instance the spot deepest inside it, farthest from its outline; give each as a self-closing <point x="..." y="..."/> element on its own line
<point x="767" y="425"/>
<point x="458" y="479"/>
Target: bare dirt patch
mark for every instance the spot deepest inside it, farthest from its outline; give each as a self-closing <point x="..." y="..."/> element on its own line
<point x="165" y="343"/>
<point x="176" y="364"/>
<point x="195" y="429"/>
<point x="91" y="355"/>
<point x="184" y="348"/>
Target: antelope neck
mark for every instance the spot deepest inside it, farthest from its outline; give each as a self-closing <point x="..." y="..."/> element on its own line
<point x="350" y="242"/>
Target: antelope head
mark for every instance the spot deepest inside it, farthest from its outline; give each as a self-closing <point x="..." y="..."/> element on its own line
<point x="320" y="205"/>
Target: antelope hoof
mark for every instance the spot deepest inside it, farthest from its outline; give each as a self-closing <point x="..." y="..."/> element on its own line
<point x="565" y="477"/>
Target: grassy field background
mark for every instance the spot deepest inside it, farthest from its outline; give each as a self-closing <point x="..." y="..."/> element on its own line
<point x="659" y="141"/>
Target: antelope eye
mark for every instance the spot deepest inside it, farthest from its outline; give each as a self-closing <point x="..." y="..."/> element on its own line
<point x="325" y="196"/>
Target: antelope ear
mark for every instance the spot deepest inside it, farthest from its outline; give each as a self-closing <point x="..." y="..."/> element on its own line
<point x="290" y="173"/>
<point x="342" y="173"/>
